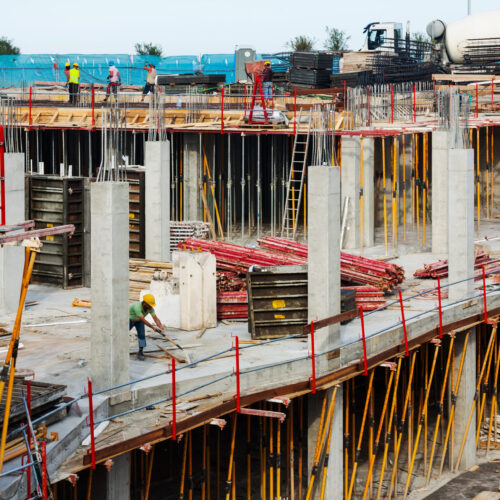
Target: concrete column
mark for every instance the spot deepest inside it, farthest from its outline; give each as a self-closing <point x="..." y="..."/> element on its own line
<point x="323" y="215"/>
<point x="465" y="396"/>
<point x="440" y="148"/>
<point x="191" y="168"/>
<point x="115" y="483"/>
<point x="368" y="192"/>
<point x="12" y="258"/>
<point x="461" y="222"/>
<point x="157" y="162"/>
<point x="350" y="186"/>
<point x="109" y="344"/>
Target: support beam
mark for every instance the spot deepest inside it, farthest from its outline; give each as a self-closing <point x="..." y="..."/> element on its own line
<point x="440" y="149"/>
<point x="335" y="471"/>
<point x="350" y="186"/>
<point x="12" y="258"/>
<point x="157" y="162"/>
<point x="191" y="166"/>
<point x="115" y="483"/>
<point x="324" y="251"/>
<point x="109" y="344"/>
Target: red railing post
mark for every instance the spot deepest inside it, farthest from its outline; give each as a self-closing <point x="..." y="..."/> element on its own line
<point x="294" y="111"/>
<point x="237" y="348"/>
<point x="313" y="356"/>
<point x="477" y="101"/>
<point x="30" y="121"/>
<point x="44" y="470"/>
<point x="93" y="106"/>
<point x="440" y="311"/>
<point x="2" y="177"/>
<point x="403" y="320"/>
<point x="414" y="104"/>
<point x="174" y="403"/>
<point x="484" y="296"/>
<point x="365" y="359"/>
<point x="91" y="422"/>
<point x="222" y="110"/>
<point x="392" y="104"/>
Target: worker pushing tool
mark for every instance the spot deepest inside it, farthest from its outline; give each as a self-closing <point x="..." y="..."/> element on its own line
<point x="150" y="80"/>
<point x="115" y="80"/>
<point x="74" y="83"/>
<point x="137" y="318"/>
<point x="267" y="83"/>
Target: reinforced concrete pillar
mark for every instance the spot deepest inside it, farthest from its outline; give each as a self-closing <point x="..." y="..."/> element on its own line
<point x="12" y="258"/>
<point x="465" y="396"/>
<point x="191" y="172"/>
<point x="368" y="193"/>
<point x="157" y="162"/>
<point x="115" y="483"/>
<point x="440" y="149"/>
<point x="350" y="187"/>
<point x="323" y="215"/>
<point x="460" y="222"/>
<point x="109" y="344"/>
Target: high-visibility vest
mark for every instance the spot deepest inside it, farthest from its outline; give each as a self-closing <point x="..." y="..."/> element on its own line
<point x="74" y="75"/>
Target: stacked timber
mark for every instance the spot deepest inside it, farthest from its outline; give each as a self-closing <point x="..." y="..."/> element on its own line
<point x="439" y="269"/>
<point x="232" y="305"/>
<point x="367" y="297"/>
<point x="141" y="272"/>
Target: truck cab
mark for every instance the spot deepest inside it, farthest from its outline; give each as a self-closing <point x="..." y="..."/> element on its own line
<point x="383" y="36"/>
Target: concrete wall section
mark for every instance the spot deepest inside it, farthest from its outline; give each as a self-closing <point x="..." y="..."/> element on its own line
<point x="368" y="192"/>
<point x="324" y="251"/>
<point x="157" y="162"/>
<point x="12" y="258"/>
<point x="191" y="171"/>
<point x="461" y="222"/>
<point x="109" y="344"/>
<point x="350" y="186"/>
<point x="440" y="145"/>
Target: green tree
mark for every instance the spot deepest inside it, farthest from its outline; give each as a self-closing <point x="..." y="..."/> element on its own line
<point x="418" y="36"/>
<point x="7" y="47"/>
<point x="300" y="43"/>
<point x="148" y="49"/>
<point x="336" y="39"/>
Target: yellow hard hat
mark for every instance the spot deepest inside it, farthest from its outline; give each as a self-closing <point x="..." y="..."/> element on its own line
<point x="67" y="64"/>
<point x="149" y="299"/>
<point x="75" y="64"/>
<point x="267" y="63"/>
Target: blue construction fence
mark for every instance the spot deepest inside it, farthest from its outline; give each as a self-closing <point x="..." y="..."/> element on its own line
<point x="25" y="69"/>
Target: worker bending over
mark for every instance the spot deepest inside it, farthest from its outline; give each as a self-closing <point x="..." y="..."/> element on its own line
<point x="150" y="80"/>
<point x="137" y="318"/>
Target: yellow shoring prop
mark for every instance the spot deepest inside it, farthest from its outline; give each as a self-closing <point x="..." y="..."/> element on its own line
<point x="219" y="225"/>
<point x="231" y="460"/>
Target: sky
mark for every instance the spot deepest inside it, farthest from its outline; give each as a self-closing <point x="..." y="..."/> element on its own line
<point x="203" y="27"/>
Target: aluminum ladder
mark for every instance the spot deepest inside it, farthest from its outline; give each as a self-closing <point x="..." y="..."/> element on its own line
<point x="295" y="184"/>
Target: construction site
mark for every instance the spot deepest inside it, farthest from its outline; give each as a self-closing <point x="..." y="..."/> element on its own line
<point x="321" y="262"/>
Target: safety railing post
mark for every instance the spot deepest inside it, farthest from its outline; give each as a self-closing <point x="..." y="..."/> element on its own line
<point x="91" y="423"/>
<point x="403" y="320"/>
<point x="484" y="296"/>
<point x="440" y="311"/>
<point x="294" y="111"/>
<point x="414" y="104"/>
<point x="365" y="359"/>
<point x="313" y="360"/>
<point x="222" y="110"/>
<point x="237" y="348"/>
<point x="44" y="470"/>
<point x="477" y="101"/>
<point x="93" y="105"/>
<point x="174" y="403"/>
<point x="30" y="121"/>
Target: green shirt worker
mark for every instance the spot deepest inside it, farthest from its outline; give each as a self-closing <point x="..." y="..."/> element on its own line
<point x="137" y="318"/>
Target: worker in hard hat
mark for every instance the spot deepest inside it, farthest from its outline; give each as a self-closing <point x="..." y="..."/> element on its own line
<point x="137" y="318"/>
<point x="267" y="83"/>
<point x="74" y="83"/>
<point x="67" y="68"/>
<point x="115" y="80"/>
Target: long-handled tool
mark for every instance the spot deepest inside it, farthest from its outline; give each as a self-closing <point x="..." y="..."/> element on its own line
<point x="177" y="345"/>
